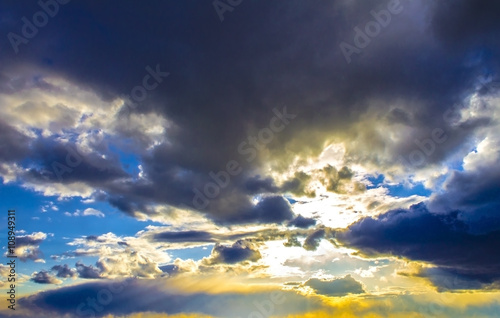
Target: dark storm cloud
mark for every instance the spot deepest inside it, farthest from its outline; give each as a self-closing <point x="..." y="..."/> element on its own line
<point x="446" y="279"/>
<point x="441" y="239"/>
<point x="469" y="19"/>
<point x="337" y="287"/>
<point x="272" y="209"/>
<point x="256" y="185"/>
<point x="226" y="80"/>
<point x="58" y="162"/>
<point x="134" y="296"/>
<point x="240" y="251"/>
<point x="476" y="193"/>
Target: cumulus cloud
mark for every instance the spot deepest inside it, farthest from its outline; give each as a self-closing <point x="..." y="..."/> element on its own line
<point x="118" y="256"/>
<point x="63" y="271"/>
<point x="28" y="246"/>
<point x="336" y="287"/>
<point x="94" y="212"/>
<point x="238" y="252"/>
<point x="87" y="271"/>
<point x="44" y="277"/>
<point x="312" y="240"/>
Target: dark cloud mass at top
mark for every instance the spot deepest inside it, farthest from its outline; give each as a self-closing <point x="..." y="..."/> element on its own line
<point x="225" y="81"/>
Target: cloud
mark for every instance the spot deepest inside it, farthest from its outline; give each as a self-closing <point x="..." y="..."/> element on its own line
<point x="149" y="160"/>
<point x="418" y="234"/>
<point x="298" y="185"/>
<point x="177" y="238"/>
<point x="44" y="277"/>
<point x="312" y="241"/>
<point x="184" y="236"/>
<point x="135" y="296"/>
<point x="271" y="209"/>
<point x="240" y="251"/>
<point x="63" y="271"/>
<point x="135" y="264"/>
<point x="32" y="239"/>
<point x="88" y="272"/>
<point x="334" y="180"/>
<point x="473" y="191"/>
<point x="13" y="140"/>
<point x="336" y="287"/>
<point x="118" y="256"/>
<point x="302" y="222"/>
<point x="255" y="185"/>
<point x="459" y="29"/>
<point x="28" y="246"/>
<point x="292" y="241"/>
<point x="94" y="212"/>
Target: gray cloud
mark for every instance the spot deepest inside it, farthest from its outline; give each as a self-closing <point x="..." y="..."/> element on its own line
<point x="336" y="287"/>
<point x="28" y="246"/>
<point x="13" y="144"/>
<point x="63" y="271"/>
<point x="88" y="272"/>
<point x="238" y="252"/>
<point x="302" y="222"/>
<point x="312" y="241"/>
<point x="44" y="277"/>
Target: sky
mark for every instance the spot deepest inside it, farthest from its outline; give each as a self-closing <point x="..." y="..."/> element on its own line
<point x="250" y="159"/>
